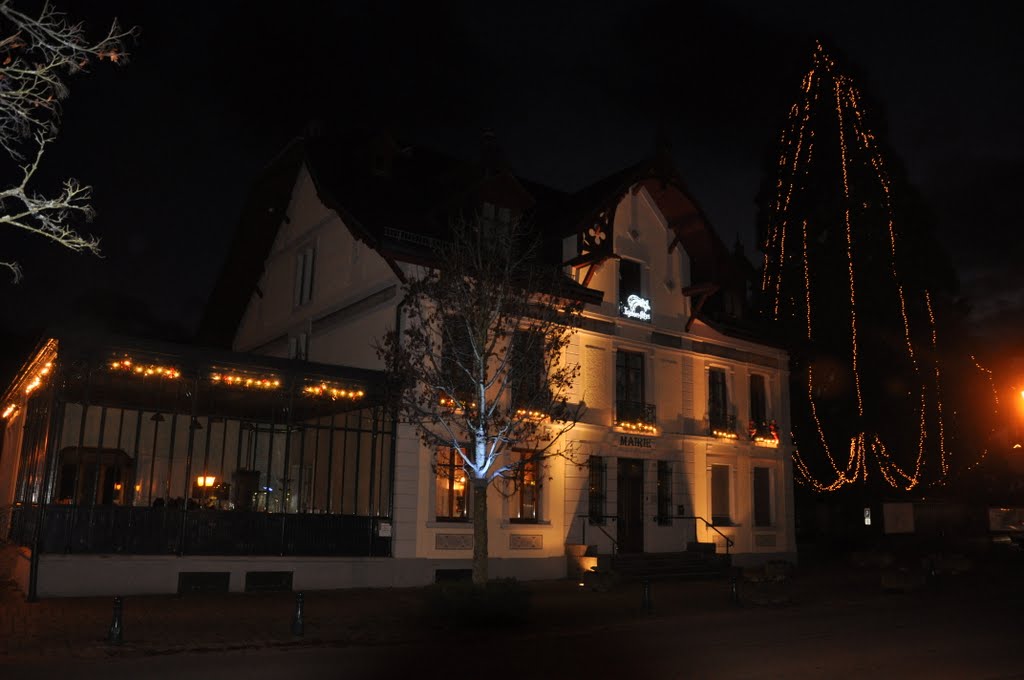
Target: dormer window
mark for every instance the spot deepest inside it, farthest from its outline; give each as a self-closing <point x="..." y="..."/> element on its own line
<point x="633" y="303"/>
<point x="304" y="261"/>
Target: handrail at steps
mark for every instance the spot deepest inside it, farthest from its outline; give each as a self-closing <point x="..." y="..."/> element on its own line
<point x="728" y="541"/>
<point x="600" y="527"/>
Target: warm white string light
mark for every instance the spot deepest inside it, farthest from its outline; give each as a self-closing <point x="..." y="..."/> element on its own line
<point x="852" y="131"/>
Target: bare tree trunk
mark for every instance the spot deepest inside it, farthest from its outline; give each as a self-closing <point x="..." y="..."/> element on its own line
<point x="479" y="532"/>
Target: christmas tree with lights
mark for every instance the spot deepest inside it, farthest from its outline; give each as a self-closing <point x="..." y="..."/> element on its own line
<point x="853" y="278"/>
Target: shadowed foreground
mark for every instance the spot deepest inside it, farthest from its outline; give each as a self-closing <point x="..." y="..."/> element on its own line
<point x="823" y="622"/>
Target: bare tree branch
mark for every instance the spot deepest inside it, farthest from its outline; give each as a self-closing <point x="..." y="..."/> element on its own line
<point x="37" y="56"/>
<point x="480" y="360"/>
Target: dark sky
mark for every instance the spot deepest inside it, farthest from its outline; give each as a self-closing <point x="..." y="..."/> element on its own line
<point x="574" y="91"/>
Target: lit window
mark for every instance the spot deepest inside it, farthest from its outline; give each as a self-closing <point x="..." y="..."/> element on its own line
<point x="633" y="304"/>
<point x="452" y="487"/>
<point x="304" y="263"/>
<point x="528" y="498"/>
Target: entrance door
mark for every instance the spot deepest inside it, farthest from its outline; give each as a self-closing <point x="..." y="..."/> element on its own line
<point x="631" y="505"/>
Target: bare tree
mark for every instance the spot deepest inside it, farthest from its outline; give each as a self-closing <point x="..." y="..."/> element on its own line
<point x="38" y="53"/>
<point x="480" y="364"/>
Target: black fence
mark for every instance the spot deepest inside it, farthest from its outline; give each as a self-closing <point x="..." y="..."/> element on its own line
<point x="721" y="422"/>
<point x="636" y="412"/>
<point x="69" y="529"/>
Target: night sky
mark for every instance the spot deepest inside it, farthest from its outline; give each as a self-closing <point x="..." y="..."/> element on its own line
<point x="574" y="91"/>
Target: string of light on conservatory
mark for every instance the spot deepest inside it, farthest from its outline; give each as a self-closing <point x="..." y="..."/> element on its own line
<point x="236" y="380"/>
<point x="38" y="378"/>
<point x="797" y="146"/>
<point x="145" y="370"/>
<point x="325" y="390"/>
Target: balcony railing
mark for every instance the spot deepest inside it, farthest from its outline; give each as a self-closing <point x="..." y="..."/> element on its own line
<point x="637" y="416"/>
<point x="722" y="425"/>
<point x="763" y="433"/>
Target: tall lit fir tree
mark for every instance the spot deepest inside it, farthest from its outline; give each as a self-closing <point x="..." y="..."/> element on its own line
<point x="853" y="278"/>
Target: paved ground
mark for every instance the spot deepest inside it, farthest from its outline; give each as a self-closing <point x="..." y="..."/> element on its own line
<point x="824" y="622"/>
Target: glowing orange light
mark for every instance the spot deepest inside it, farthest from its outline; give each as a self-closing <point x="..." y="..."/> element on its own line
<point x="843" y="98"/>
<point x="145" y="370"/>
<point x="325" y="390"/>
<point x="245" y="381"/>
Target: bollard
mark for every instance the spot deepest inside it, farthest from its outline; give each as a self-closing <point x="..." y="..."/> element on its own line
<point x="735" y="586"/>
<point x="298" y="624"/>
<point x="646" y="602"/>
<point x="116" y="632"/>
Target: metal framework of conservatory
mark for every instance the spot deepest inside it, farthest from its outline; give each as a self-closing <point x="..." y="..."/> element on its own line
<point x="133" y="447"/>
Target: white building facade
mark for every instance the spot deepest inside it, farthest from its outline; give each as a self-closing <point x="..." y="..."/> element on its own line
<point x="265" y="456"/>
<point x="680" y="439"/>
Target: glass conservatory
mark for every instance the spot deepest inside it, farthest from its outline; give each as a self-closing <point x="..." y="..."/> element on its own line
<point x="122" y="446"/>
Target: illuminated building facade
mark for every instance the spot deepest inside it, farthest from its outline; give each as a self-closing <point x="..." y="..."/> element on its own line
<point x="678" y="448"/>
<point x="127" y="463"/>
<point x="685" y="402"/>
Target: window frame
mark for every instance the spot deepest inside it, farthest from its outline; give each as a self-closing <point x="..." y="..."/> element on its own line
<point x="723" y="421"/>
<point x="718" y="519"/>
<point x="456" y="349"/>
<point x="452" y="465"/>
<point x="763" y="398"/>
<point x="298" y="346"/>
<point x="624" y="387"/>
<point x="305" y="273"/>
<point x="664" y="493"/>
<point x="533" y="387"/>
<point x="769" y="500"/>
<point x="597" y="489"/>
<point x="529" y="460"/>
<point x="640" y="290"/>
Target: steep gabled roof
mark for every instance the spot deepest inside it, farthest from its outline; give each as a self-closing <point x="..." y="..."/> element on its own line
<point x="254" y="235"/>
<point x="710" y="259"/>
<point x="399" y="200"/>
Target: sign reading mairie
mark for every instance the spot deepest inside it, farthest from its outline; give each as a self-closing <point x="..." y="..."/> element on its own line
<point x="636" y="442"/>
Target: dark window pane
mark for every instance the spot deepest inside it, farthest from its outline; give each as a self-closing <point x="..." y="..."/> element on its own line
<point x="629" y="377"/>
<point x="629" y="280"/>
<point x="527" y="378"/>
<point x="596" y="489"/>
<point x="664" y="492"/>
<point x="762" y="497"/>
<point x="720" y="505"/>
<point x="758" y="402"/>
<point x="718" y="398"/>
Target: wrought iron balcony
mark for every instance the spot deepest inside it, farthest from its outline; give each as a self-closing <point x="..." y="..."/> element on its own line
<point x="722" y="425"/>
<point x="637" y="416"/>
<point x="764" y="432"/>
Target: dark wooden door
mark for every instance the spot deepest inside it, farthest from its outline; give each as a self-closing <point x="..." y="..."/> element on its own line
<point x="631" y="505"/>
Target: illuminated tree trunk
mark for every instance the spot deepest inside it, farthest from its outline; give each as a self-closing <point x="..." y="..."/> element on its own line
<point x="479" y="531"/>
<point x="478" y="365"/>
